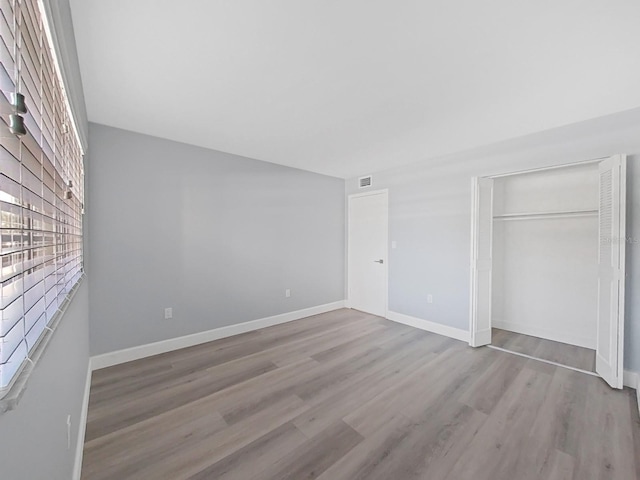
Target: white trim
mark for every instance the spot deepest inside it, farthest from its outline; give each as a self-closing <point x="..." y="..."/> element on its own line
<point x="156" y="348"/>
<point x="622" y="242"/>
<point x="385" y="192"/>
<point x="551" y="167"/>
<point x="13" y="393"/>
<point x="440" y="329"/>
<point x="584" y="342"/>
<point x="82" y="425"/>
<point x="372" y="192"/>
<point x="472" y="263"/>
<point x="55" y="47"/>
<point x="480" y="338"/>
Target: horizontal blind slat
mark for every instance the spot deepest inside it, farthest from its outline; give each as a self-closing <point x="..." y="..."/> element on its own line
<point x="41" y="228"/>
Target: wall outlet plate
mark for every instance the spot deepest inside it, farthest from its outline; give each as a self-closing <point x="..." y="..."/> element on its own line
<point x="168" y="313"/>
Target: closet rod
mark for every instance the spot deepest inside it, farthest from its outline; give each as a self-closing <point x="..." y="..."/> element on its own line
<point x="542" y="215"/>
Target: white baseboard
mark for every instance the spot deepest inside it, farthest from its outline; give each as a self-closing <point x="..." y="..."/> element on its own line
<point x="544" y="333"/>
<point x="82" y="425"/>
<point x="632" y="380"/>
<point x="150" y="349"/>
<point x="481" y="338"/>
<point x="433" y="327"/>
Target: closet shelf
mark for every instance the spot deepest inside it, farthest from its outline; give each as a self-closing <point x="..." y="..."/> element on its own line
<point x="542" y="215"/>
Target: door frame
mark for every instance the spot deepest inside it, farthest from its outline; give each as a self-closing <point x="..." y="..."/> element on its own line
<point x="474" y="340"/>
<point x="385" y="192"/>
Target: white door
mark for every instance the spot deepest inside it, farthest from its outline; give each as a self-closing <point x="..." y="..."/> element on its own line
<point x="609" y="343"/>
<point x="481" y="260"/>
<point x="367" y="252"/>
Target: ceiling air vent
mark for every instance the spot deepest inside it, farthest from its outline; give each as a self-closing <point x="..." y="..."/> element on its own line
<point x="364" y="182"/>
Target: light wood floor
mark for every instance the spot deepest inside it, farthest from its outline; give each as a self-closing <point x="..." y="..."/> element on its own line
<point x="349" y="396"/>
<point x="562" y="353"/>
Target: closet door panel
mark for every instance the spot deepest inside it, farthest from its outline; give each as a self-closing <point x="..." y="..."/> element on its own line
<point x="612" y="238"/>
<point x="481" y="261"/>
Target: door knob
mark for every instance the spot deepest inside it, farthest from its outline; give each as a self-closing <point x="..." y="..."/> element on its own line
<point x="379" y="261"/>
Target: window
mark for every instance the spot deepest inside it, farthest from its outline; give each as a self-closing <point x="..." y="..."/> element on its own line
<point x="41" y="189"/>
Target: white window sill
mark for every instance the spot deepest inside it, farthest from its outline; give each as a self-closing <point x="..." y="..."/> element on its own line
<point x="13" y="396"/>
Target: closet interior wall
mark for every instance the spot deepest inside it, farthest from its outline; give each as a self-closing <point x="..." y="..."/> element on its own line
<point x="545" y="254"/>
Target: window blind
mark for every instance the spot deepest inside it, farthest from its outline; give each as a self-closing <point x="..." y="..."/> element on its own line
<point x="41" y="188"/>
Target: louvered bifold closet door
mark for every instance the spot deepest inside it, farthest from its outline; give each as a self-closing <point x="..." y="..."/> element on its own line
<point x="481" y="261"/>
<point x="611" y="263"/>
<point x="40" y="189"/>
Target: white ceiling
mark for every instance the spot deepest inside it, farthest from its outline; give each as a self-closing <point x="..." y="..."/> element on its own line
<point x="354" y="86"/>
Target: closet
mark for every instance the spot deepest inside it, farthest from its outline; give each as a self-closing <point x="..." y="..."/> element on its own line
<point x="548" y="258"/>
<point x="545" y="254"/>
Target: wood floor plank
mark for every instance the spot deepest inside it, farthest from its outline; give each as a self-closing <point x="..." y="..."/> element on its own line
<point x="489" y="387"/>
<point x="348" y="396"/>
<point x="139" y="372"/>
<point x="105" y="458"/>
<point x="163" y="366"/>
<point x="340" y="402"/>
<point x="256" y="457"/>
<point x="373" y="455"/>
<point x="353" y="366"/>
<point x="313" y="457"/>
<point x="203" y="454"/>
<point x="432" y="380"/>
<point x="200" y="362"/>
<point x="560" y="467"/>
<point x="498" y="450"/>
<point x="318" y="344"/>
<point x="562" y="353"/>
<point x="310" y="382"/>
<point x="109" y="418"/>
<point x="611" y="453"/>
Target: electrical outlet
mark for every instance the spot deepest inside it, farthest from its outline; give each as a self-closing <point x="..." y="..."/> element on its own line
<point x="168" y="313"/>
<point x="69" y="432"/>
<point x="429" y="298"/>
<point x="287" y="293"/>
<point x="394" y="244"/>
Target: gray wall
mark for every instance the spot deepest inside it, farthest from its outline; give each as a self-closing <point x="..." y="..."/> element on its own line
<point x="430" y="215"/>
<point x="33" y="436"/>
<point x="215" y="236"/>
<point x="632" y="308"/>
